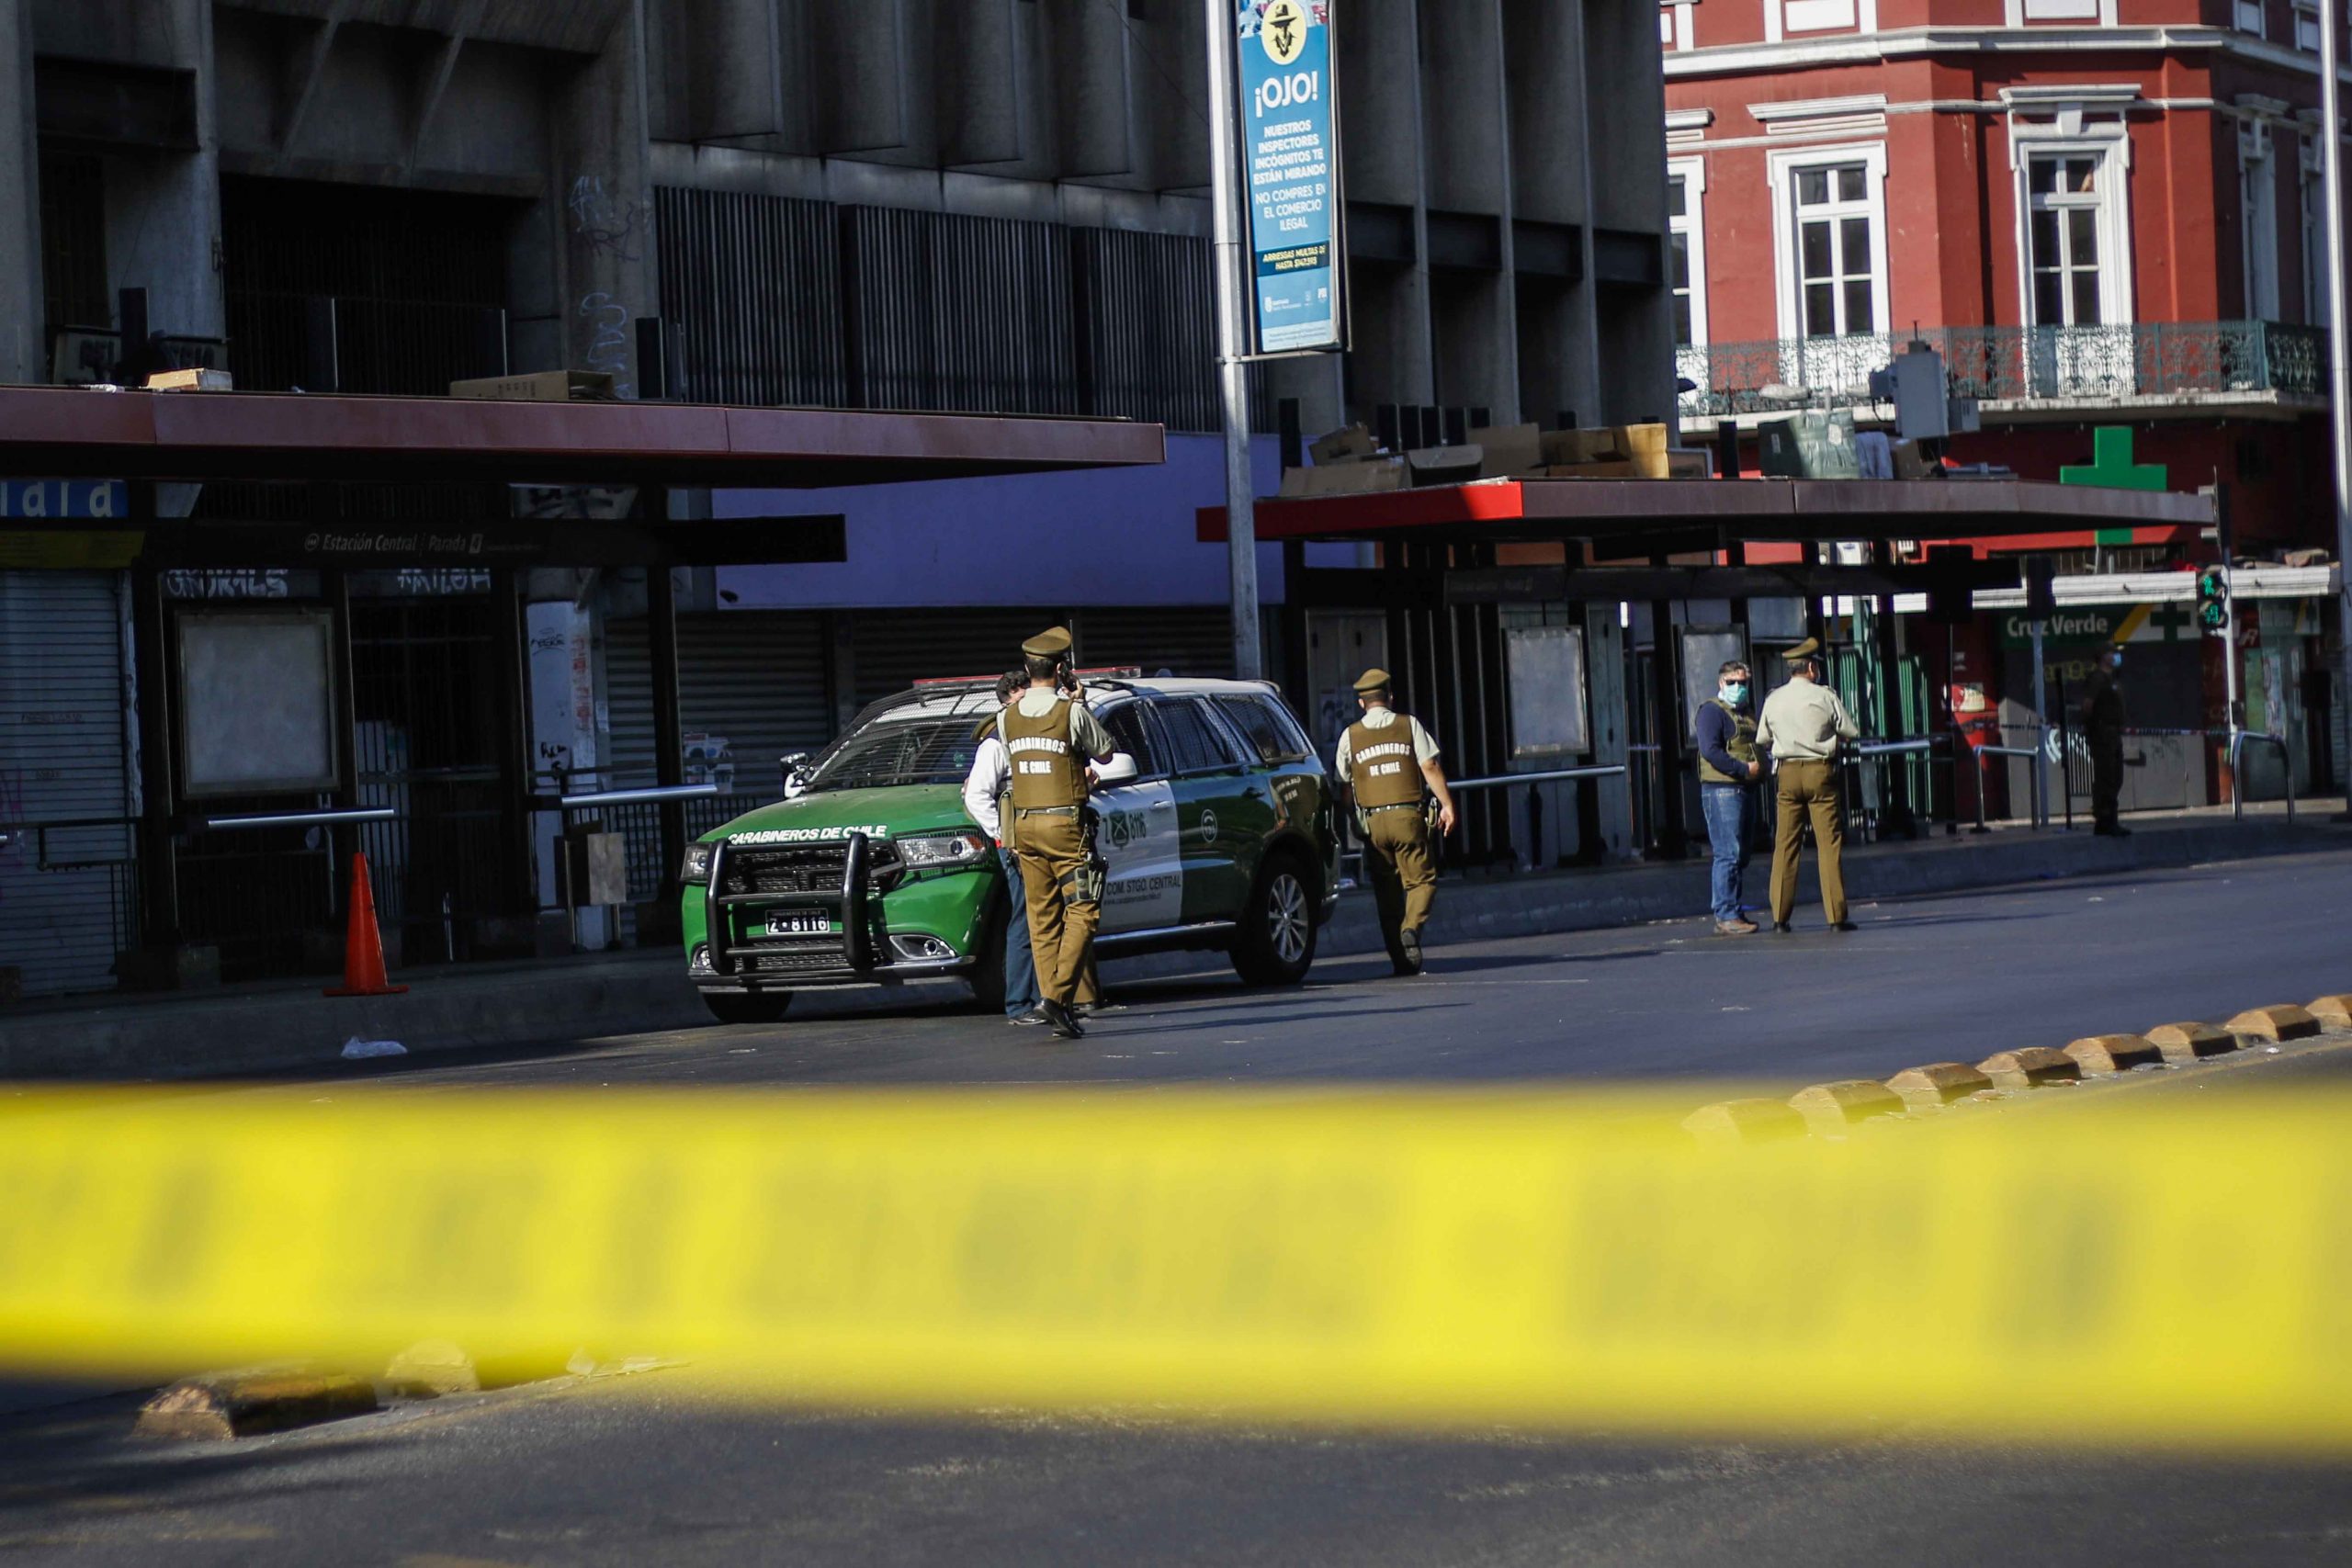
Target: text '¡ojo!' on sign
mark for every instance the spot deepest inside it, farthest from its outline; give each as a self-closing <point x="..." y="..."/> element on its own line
<point x="1290" y="158"/>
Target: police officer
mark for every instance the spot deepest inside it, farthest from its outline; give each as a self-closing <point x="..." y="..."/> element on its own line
<point x="2103" y="731"/>
<point x="1804" y="726"/>
<point x="1049" y="739"/>
<point x="1385" y="761"/>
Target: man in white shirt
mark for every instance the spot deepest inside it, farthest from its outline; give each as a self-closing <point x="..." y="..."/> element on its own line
<point x="1805" y="728"/>
<point x="984" y="791"/>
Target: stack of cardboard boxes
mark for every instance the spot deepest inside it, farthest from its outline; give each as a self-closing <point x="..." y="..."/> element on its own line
<point x="1351" y="462"/>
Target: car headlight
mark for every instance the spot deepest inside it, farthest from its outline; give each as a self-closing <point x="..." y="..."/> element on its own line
<point x="696" y="872"/>
<point x="932" y="849"/>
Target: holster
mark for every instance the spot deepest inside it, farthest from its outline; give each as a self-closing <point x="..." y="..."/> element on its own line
<point x="1087" y="889"/>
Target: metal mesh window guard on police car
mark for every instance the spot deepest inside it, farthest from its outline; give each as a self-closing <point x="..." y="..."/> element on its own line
<point x="1255" y="718"/>
<point x="1194" y="744"/>
<point x="1130" y="730"/>
<point x="893" y="752"/>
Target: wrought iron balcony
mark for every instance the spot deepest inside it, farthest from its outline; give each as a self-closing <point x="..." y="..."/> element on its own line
<point x="2121" y="365"/>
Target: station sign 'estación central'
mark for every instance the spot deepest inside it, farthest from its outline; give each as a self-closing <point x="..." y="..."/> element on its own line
<point x="1290" y="156"/>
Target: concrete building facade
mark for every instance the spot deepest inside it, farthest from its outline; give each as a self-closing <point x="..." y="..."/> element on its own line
<point x="992" y="205"/>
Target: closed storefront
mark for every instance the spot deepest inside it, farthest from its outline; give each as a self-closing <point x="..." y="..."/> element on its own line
<point x="67" y="893"/>
<point x="751" y="689"/>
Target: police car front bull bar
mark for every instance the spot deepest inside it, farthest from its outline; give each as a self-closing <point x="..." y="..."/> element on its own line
<point x="857" y="947"/>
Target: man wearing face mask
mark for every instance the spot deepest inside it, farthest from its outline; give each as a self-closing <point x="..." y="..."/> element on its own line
<point x="2103" y="732"/>
<point x="1729" y="764"/>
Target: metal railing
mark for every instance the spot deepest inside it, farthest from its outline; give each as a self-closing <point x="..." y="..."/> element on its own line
<point x="2238" y="738"/>
<point x="2011" y="364"/>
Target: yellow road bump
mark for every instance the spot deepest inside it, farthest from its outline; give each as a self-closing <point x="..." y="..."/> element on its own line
<point x="1833" y="1107"/>
<point x="255" y="1400"/>
<point x="2191" y="1041"/>
<point x="1745" y="1121"/>
<point x="2332" y="1013"/>
<point x="2114" y="1052"/>
<point x="2032" y="1067"/>
<point x="1939" y="1083"/>
<point x="2274" y="1024"/>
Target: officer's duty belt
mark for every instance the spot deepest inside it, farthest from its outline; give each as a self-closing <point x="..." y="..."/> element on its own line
<point x="1021" y="811"/>
<point x="1399" y="805"/>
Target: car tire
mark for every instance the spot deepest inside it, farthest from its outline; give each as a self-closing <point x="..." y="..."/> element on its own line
<point x="753" y="1007"/>
<point x="1276" y="944"/>
<point x="988" y="967"/>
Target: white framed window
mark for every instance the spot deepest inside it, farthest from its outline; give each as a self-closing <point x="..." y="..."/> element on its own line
<point x="1674" y="24"/>
<point x="1797" y="18"/>
<point x="1686" y="190"/>
<point x="2307" y="25"/>
<point x="2258" y="215"/>
<point x="2100" y="13"/>
<point x="2073" y="220"/>
<point x="1829" y="240"/>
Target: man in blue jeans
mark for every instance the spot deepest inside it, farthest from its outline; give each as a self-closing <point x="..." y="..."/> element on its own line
<point x="1729" y="764"/>
<point x="984" y="789"/>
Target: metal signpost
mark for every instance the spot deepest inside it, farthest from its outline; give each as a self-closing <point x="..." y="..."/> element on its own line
<point x="1275" y="153"/>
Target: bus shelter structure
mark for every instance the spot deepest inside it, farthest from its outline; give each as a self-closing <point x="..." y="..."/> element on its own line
<point x="330" y="490"/>
<point x="1460" y="586"/>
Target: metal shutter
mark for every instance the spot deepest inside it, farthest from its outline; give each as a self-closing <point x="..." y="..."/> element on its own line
<point x="754" y="676"/>
<point x="897" y="647"/>
<point x="1185" y="641"/>
<point x="65" y="897"/>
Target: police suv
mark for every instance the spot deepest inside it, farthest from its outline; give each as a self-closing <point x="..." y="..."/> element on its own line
<point x="1217" y="819"/>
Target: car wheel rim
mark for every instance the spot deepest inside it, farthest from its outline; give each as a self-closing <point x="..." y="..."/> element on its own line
<point x="1286" y="917"/>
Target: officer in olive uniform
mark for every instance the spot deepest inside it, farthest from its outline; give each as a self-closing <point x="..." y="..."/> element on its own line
<point x="1805" y="728"/>
<point x="1050" y="739"/>
<point x="1385" y="761"/>
<point x="2103" y="731"/>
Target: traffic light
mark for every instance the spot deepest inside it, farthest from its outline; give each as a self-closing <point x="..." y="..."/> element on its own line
<point x="2213" y="600"/>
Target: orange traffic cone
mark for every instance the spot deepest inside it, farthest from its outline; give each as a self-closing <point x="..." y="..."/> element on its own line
<point x="363" y="945"/>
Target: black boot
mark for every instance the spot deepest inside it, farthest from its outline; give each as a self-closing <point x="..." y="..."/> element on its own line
<point x="1065" y="1026"/>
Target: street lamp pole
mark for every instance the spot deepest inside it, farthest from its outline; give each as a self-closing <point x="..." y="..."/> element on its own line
<point x="1232" y="343"/>
<point x="2339" y="352"/>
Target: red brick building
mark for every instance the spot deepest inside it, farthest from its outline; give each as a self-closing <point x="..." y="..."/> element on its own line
<point x="2102" y="211"/>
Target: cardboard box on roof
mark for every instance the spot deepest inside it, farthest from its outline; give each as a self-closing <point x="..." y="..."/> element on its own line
<point x="1509" y="449"/>
<point x="542" y="386"/>
<point x="1445" y="465"/>
<point x="1352" y="444"/>
<point x="1362" y="477"/>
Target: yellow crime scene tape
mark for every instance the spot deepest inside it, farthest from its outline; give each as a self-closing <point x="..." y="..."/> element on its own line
<point x="2163" y="1274"/>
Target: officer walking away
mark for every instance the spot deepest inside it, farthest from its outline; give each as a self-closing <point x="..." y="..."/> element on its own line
<point x="1729" y="765"/>
<point x="1385" y="761"/>
<point x="1048" y="739"/>
<point x="1806" y="727"/>
<point x="2103" y="731"/>
<point x="985" y="788"/>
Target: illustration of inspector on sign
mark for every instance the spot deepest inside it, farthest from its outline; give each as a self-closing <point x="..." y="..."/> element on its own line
<point x="1290" y="154"/>
<point x="1223" y="836"/>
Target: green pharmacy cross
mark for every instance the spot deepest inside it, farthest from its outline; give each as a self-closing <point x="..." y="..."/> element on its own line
<point x="2111" y="467"/>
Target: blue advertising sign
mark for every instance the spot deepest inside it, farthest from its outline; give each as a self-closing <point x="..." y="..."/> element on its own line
<point x="1290" y="164"/>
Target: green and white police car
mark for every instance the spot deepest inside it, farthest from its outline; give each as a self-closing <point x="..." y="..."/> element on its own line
<point x="1218" y="820"/>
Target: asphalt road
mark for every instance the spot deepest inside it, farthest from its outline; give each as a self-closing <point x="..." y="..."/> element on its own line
<point x="1955" y="977"/>
<point x="631" y="1470"/>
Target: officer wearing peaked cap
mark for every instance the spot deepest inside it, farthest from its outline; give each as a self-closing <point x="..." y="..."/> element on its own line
<point x="1385" y="760"/>
<point x="1807" y="729"/>
<point x="1048" y="739"/>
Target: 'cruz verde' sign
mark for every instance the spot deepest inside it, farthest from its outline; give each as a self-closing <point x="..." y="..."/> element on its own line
<point x="1290" y="164"/>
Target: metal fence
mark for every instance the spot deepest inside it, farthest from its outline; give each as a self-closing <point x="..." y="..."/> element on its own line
<point x="2012" y="364"/>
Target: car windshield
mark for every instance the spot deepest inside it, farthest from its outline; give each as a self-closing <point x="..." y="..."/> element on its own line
<point x="898" y="752"/>
<point x="920" y="737"/>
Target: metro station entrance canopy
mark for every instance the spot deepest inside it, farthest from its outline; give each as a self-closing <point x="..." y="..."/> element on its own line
<point x="335" y="491"/>
<point x="1640" y="518"/>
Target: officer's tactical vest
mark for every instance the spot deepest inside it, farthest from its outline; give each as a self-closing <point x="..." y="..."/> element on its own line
<point x="1742" y="744"/>
<point x="1383" y="769"/>
<point x="1046" y="771"/>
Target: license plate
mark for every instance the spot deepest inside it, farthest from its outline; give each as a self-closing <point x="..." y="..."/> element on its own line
<point x="800" y="922"/>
